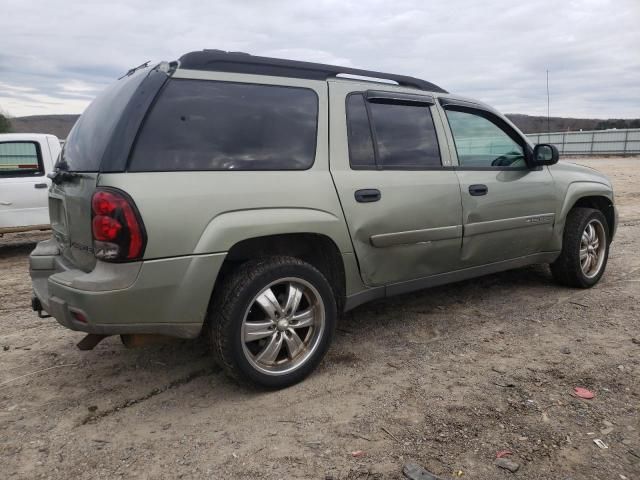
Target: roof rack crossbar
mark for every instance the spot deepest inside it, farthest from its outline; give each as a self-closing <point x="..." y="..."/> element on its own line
<point x="239" y="62"/>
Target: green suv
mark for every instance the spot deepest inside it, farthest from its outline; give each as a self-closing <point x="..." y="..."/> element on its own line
<point x="253" y="200"/>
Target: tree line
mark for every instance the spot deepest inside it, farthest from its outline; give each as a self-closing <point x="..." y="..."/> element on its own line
<point x="540" y="124"/>
<point x="5" y="124"/>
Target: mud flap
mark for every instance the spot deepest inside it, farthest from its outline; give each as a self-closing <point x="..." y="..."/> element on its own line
<point x="90" y="341"/>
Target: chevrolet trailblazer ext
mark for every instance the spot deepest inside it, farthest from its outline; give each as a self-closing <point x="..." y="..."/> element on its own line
<point x="255" y="199"/>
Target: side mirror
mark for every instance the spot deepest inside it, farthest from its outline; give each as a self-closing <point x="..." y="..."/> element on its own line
<point x="545" y="154"/>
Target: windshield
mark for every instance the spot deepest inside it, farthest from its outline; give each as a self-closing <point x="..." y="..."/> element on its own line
<point x="90" y="135"/>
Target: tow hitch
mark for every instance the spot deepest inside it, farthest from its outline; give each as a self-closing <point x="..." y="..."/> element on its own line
<point x="37" y="307"/>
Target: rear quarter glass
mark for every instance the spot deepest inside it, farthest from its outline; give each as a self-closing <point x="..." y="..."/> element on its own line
<point x="91" y="134"/>
<point x="215" y="125"/>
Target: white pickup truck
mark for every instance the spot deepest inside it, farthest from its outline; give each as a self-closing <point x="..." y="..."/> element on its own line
<point x="25" y="161"/>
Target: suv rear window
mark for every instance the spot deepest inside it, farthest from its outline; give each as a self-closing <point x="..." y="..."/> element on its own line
<point x="89" y="137"/>
<point x="213" y="125"/>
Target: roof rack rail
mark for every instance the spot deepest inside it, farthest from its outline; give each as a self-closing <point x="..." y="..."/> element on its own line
<point x="240" y="62"/>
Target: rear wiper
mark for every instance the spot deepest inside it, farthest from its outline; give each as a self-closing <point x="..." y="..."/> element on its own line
<point x="59" y="176"/>
<point x="134" y="69"/>
<point x="61" y="171"/>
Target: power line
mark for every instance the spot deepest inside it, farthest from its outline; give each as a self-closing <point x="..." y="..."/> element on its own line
<point x="548" y="119"/>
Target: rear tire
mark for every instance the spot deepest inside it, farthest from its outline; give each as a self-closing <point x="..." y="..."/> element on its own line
<point x="272" y="321"/>
<point x="585" y="249"/>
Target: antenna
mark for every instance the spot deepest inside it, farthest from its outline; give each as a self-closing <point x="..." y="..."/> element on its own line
<point x="548" y="120"/>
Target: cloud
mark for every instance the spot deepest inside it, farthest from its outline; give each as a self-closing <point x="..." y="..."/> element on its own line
<point x="495" y="50"/>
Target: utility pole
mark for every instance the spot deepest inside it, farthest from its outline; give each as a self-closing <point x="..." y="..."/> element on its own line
<point x="548" y="119"/>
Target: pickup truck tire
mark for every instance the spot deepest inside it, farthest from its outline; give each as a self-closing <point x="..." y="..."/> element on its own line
<point x="585" y="249"/>
<point x="272" y="321"/>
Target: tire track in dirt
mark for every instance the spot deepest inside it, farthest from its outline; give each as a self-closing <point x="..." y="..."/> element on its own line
<point x="95" y="417"/>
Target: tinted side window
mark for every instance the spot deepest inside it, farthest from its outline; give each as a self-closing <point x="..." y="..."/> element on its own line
<point x="481" y="143"/>
<point x="212" y="125"/>
<point x="19" y="159"/>
<point x="361" y="152"/>
<point x="405" y="136"/>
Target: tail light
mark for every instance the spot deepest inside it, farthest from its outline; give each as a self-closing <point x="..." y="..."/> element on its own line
<point x="118" y="231"/>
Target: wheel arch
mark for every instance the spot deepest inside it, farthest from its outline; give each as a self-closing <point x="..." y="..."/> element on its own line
<point x="602" y="203"/>
<point x="590" y="195"/>
<point x="317" y="249"/>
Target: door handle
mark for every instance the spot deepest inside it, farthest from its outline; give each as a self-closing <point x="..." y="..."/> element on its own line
<point x="478" y="189"/>
<point x="368" y="195"/>
<point x="40" y="185"/>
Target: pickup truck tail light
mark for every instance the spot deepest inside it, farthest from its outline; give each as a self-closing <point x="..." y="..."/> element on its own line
<point x="118" y="231"/>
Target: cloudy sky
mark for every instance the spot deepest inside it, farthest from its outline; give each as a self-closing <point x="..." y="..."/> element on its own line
<point x="55" y="56"/>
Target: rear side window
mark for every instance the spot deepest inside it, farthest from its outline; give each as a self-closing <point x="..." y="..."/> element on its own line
<point x="212" y="125"/>
<point x="19" y="159"/>
<point x="403" y="134"/>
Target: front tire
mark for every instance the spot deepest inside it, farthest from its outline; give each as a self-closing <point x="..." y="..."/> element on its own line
<point x="272" y="321"/>
<point x="585" y="249"/>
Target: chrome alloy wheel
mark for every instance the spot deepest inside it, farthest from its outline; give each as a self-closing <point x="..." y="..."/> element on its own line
<point x="592" y="248"/>
<point x="283" y="326"/>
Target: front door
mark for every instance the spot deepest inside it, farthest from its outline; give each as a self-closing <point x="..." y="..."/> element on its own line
<point x="401" y="203"/>
<point x="23" y="185"/>
<point x="508" y="207"/>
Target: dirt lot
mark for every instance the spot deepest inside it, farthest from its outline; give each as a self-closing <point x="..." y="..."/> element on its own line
<point x="445" y="377"/>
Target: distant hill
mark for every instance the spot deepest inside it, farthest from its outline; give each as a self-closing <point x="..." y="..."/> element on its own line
<point x="60" y="125"/>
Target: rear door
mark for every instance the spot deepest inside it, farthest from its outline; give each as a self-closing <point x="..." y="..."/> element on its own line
<point x="508" y="207"/>
<point x="23" y="184"/>
<point x="402" y="204"/>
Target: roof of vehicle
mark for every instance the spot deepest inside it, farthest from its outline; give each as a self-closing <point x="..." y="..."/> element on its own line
<point x="239" y="62"/>
<point x="25" y="136"/>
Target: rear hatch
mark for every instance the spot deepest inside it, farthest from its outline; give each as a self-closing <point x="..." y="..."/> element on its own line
<point x="70" y="214"/>
<point x="83" y="157"/>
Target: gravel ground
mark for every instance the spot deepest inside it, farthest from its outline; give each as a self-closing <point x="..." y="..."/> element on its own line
<point x="445" y="377"/>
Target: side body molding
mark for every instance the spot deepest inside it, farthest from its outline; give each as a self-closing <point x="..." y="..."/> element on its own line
<point x="416" y="236"/>
<point x="507" y="224"/>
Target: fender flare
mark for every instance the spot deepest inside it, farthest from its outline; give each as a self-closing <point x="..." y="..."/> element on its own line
<point x="575" y="191"/>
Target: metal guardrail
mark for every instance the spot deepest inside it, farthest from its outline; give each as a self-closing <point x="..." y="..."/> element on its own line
<point x="592" y="142"/>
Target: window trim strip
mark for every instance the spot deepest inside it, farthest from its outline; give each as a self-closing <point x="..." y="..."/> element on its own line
<point x="398" y="98"/>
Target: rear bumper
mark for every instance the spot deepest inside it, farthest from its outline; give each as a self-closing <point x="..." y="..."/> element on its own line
<point x="167" y="296"/>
